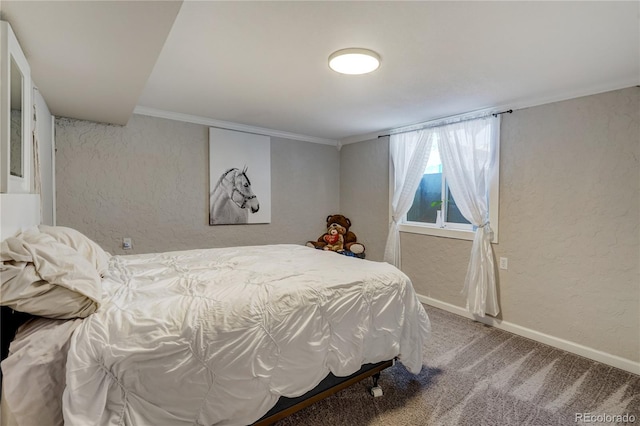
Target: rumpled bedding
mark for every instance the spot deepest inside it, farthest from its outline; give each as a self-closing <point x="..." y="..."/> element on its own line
<point x="34" y="372"/>
<point x="44" y="277"/>
<point x="215" y="337"/>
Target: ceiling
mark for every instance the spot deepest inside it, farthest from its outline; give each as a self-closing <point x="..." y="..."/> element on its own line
<point x="264" y="64"/>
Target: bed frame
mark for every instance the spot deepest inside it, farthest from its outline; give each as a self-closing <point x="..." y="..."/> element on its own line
<point x="327" y="387"/>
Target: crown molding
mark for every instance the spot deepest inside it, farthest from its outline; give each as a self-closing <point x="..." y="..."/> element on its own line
<point x="514" y="105"/>
<point x="187" y="118"/>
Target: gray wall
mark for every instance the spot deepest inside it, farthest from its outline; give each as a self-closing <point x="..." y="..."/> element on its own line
<point x="149" y="180"/>
<point x="569" y="221"/>
<point x="364" y="192"/>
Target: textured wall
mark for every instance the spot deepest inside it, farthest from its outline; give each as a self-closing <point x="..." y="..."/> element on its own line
<point x="363" y="181"/>
<point x="569" y="222"/>
<point x="149" y="181"/>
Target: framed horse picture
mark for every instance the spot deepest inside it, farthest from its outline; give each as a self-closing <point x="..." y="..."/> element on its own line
<point x="239" y="177"/>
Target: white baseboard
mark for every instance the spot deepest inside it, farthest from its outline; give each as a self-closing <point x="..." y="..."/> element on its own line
<point x="566" y="345"/>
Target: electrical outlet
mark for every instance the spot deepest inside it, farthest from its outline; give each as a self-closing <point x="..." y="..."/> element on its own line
<point x="126" y="244"/>
<point x="504" y="263"/>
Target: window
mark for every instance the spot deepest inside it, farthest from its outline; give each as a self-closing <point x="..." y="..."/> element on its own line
<point x="433" y="203"/>
<point x="466" y="165"/>
<point x="434" y="210"/>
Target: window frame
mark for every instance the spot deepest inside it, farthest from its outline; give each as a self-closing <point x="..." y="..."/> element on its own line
<point x="453" y="230"/>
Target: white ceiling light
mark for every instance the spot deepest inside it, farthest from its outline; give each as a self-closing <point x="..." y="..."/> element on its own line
<point x="354" y="61"/>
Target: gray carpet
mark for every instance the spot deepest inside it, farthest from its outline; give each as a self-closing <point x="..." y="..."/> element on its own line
<point x="478" y="375"/>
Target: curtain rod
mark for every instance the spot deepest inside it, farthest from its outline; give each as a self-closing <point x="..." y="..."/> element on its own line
<point x="444" y="122"/>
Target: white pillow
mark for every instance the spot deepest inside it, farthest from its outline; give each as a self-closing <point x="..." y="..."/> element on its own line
<point x="46" y="278"/>
<point x="89" y="249"/>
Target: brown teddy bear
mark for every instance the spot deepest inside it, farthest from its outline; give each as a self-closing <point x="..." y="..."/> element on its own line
<point x="350" y="241"/>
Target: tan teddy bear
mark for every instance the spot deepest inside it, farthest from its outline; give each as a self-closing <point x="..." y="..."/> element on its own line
<point x="334" y="238"/>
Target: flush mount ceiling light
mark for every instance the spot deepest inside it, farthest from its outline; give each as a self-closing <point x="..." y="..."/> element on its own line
<point x="354" y="61"/>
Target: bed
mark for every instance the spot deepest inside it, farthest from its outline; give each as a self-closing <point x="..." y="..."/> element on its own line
<point x="213" y="336"/>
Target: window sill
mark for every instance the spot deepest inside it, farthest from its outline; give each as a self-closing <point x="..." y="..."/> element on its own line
<point x="459" y="234"/>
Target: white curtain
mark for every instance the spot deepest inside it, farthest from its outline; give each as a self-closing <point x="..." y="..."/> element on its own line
<point x="409" y="156"/>
<point x="467" y="151"/>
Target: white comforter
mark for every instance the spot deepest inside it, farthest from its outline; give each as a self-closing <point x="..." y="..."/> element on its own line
<point x="217" y="336"/>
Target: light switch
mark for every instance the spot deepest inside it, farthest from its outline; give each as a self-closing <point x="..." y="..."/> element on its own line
<point x="126" y="243"/>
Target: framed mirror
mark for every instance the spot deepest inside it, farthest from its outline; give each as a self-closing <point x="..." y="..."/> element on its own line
<point x="15" y="117"/>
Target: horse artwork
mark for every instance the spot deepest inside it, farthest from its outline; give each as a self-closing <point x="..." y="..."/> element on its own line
<point x="239" y="176"/>
<point x="232" y="199"/>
